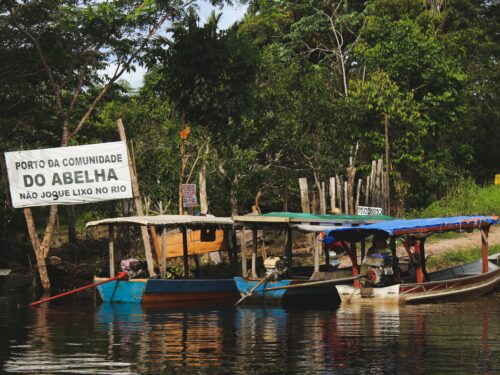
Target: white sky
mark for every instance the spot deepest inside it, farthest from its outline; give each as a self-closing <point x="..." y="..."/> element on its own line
<point x="229" y="16"/>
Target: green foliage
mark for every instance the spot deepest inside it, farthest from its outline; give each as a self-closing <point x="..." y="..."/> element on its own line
<point x="458" y="257"/>
<point x="466" y="198"/>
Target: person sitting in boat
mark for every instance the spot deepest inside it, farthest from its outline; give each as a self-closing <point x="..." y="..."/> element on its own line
<point x="379" y="247"/>
<point x="378" y="263"/>
<point x="335" y="249"/>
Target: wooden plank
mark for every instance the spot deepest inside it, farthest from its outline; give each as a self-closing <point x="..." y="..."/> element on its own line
<point x="304" y="195"/>
<point x="138" y="203"/>
<point x="195" y="245"/>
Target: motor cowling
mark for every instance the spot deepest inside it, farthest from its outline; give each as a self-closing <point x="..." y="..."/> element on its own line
<point x="378" y="270"/>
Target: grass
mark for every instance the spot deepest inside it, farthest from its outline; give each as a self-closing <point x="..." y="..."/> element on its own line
<point x="466" y="199"/>
<point x="457" y="257"/>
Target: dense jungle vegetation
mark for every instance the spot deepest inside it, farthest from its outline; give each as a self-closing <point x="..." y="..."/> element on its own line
<point x="287" y="92"/>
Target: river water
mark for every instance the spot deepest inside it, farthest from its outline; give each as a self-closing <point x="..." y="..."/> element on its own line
<point x="86" y="337"/>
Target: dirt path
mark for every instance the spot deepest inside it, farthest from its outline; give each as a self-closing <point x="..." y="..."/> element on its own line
<point x="465" y="241"/>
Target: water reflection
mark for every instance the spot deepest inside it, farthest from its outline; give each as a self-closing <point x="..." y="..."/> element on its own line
<point x="376" y="339"/>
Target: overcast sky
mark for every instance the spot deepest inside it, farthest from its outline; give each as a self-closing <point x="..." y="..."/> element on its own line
<point x="229" y="16"/>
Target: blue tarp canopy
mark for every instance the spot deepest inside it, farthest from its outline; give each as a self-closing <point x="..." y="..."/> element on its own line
<point x="398" y="227"/>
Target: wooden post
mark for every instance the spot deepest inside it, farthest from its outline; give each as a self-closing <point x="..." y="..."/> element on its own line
<point x="163" y="260"/>
<point x="317" y="249"/>
<point x="185" y="251"/>
<point x="367" y="196"/>
<point x="138" y="203"/>
<point x="346" y="199"/>
<point x="156" y="245"/>
<point x="288" y="249"/>
<point x="304" y="195"/>
<point x="339" y="190"/>
<point x="418" y="270"/>
<point x="203" y="189"/>
<point x="111" y="246"/>
<point x="351" y="173"/>
<point x="322" y="201"/>
<point x="243" y="245"/>
<point x="332" y="194"/>
<point x="354" y="261"/>
<point x="484" y="248"/>
<point x="358" y="193"/>
<point x="197" y="264"/>
<point x="231" y="232"/>
<point x="254" y="251"/>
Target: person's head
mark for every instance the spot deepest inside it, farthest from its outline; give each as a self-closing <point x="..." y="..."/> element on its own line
<point x="379" y="242"/>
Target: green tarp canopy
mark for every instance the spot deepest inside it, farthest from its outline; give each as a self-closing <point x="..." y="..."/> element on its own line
<point x="333" y="218"/>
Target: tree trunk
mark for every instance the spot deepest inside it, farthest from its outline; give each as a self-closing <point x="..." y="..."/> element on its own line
<point x="39" y="253"/>
<point x="234" y="202"/>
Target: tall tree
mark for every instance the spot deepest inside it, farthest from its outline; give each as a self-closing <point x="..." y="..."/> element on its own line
<point x="69" y="43"/>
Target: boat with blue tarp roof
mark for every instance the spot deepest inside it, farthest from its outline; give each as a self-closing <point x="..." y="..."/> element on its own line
<point x="382" y="276"/>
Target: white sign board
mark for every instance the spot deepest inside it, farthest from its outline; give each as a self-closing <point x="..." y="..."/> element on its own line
<point x="69" y="175"/>
<point x="189" y="198"/>
<point x="362" y="210"/>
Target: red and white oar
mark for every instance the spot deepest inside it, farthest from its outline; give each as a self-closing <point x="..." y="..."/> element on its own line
<point x="120" y="276"/>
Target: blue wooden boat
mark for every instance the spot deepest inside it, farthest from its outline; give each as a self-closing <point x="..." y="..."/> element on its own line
<point x="171" y="290"/>
<point x="282" y="281"/>
<point x="157" y="288"/>
<point x="287" y="291"/>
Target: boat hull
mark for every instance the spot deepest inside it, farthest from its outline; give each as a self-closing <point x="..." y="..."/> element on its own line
<point x="160" y="290"/>
<point x="324" y="295"/>
<point x="461" y="287"/>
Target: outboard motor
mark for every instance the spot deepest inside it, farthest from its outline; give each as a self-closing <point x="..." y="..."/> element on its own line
<point x="378" y="269"/>
<point x="275" y="268"/>
<point x="134" y="268"/>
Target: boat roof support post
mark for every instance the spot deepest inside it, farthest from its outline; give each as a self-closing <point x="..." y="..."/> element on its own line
<point x="288" y="249"/>
<point x="423" y="259"/>
<point x="185" y="251"/>
<point x="317" y="249"/>
<point x="111" y="247"/>
<point x="363" y="248"/>
<point x="157" y="247"/>
<point x="484" y="247"/>
<point x="254" y="251"/>
<point x="163" y="262"/>
<point x="243" y="244"/>
<point x="354" y="260"/>
<point x="418" y="269"/>
<point x="233" y="254"/>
